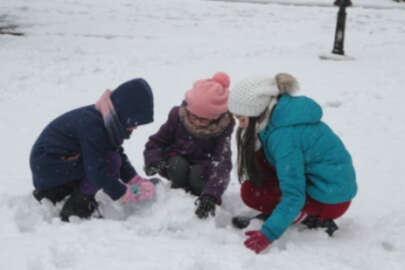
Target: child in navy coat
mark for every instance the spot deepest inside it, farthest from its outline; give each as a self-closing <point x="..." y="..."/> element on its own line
<point x="80" y="152"/>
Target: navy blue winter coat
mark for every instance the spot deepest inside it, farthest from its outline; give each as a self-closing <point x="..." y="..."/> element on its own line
<point x="83" y="131"/>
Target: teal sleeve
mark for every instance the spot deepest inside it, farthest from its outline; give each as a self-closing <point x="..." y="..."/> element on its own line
<point x="289" y="163"/>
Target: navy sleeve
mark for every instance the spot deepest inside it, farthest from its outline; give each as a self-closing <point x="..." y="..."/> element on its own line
<point x="127" y="171"/>
<point x="96" y="167"/>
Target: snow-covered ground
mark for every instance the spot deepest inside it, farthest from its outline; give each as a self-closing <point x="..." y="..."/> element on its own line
<point x="74" y="49"/>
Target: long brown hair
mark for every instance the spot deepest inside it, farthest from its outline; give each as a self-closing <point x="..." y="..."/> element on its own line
<point x="246" y="145"/>
<point x="246" y="141"/>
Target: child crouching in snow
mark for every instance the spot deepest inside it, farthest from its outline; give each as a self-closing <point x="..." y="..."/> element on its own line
<point x="80" y="152"/>
<point x="315" y="179"/>
<point x="192" y="149"/>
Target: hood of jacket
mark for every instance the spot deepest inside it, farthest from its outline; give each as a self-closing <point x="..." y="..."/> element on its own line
<point x="133" y="102"/>
<point x="294" y="111"/>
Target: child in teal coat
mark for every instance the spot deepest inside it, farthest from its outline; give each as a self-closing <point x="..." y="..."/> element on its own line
<point x="314" y="180"/>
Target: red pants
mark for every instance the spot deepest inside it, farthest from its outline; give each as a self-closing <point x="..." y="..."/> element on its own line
<point x="266" y="198"/>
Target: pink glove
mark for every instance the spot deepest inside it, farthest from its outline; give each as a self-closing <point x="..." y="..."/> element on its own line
<point x="138" y="189"/>
<point x="256" y="241"/>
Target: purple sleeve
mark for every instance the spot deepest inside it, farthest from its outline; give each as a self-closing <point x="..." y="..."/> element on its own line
<point x="160" y="141"/>
<point x="220" y="166"/>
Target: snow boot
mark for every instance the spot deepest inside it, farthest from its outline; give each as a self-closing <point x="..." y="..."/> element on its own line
<point x="55" y="194"/>
<point x="313" y="222"/>
<point x="79" y="204"/>
<point x="242" y="222"/>
<point x="330" y="226"/>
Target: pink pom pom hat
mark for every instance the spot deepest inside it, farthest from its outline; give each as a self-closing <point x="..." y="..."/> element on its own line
<point x="209" y="97"/>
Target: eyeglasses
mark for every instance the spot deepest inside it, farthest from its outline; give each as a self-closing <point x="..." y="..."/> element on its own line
<point x="194" y="118"/>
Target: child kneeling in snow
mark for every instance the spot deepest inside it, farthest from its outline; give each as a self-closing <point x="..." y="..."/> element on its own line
<point x="315" y="174"/>
<point x="80" y="152"/>
<point x="192" y="149"/>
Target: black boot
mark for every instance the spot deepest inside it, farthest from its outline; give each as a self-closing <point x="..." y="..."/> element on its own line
<point x="55" y="194"/>
<point x="330" y="226"/>
<point x="242" y="222"/>
<point x="313" y="222"/>
<point x="80" y="205"/>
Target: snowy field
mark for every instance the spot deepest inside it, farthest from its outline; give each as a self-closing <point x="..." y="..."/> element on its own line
<point x="73" y="50"/>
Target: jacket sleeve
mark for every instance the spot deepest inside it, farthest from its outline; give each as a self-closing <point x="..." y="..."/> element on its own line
<point x="97" y="168"/>
<point x="127" y="171"/>
<point x="289" y="163"/>
<point x="160" y="141"/>
<point x="220" y="166"/>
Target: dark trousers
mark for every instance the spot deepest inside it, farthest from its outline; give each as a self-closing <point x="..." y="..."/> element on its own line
<point x="49" y="173"/>
<point x="182" y="174"/>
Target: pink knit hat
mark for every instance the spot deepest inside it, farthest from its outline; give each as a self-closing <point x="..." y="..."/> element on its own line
<point x="209" y="97"/>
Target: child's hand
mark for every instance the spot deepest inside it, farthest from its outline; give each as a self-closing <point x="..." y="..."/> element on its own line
<point x="138" y="189"/>
<point x="256" y="241"/>
<point x="155" y="167"/>
<point x="206" y="206"/>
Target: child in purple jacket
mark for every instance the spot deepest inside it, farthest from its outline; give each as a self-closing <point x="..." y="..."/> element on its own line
<point x="192" y="149"/>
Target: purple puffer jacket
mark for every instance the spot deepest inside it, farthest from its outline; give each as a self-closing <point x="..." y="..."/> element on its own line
<point x="214" y="154"/>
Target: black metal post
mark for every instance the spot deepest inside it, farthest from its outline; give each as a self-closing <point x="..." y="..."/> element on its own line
<point x="340" y="27"/>
<point x="337" y="2"/>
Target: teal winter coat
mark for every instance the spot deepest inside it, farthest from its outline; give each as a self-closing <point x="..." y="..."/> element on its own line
<point x="309" y="158"/>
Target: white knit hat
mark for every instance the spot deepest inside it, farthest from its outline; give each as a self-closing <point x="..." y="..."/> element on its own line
<point x="251" y="96"/>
